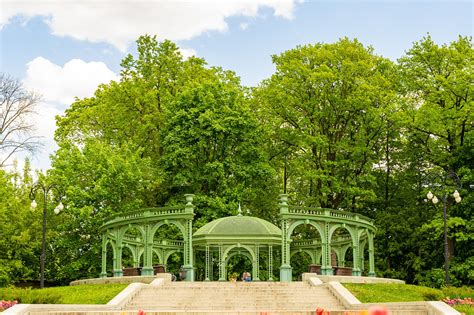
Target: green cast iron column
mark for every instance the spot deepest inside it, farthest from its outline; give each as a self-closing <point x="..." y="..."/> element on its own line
<point x="326" y="268"/>
<point x="355" y="254"/>
<point x="222" y="276"/>
<point x="370" y="237"/>
<point x="103" y="274"/>
<point x="136" y="252"/>
<point x="285" y="268"/>
<point x="206" y="271"/>
<point x="270" y="263"/>
<point x="256" y="264"/>
<point x="147" y="269"/>
<point x="188" y="239"/>
<point x="118" y="271"/>
<point x="361" y="257"/>
<point x="211" y="266"/>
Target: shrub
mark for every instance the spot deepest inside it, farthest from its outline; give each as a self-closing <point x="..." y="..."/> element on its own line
<point x="4" y="276"/>
<point x="462" y="292"/>
<point x="29" y="296"/>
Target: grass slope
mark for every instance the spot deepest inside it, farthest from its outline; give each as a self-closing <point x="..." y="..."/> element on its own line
<point x="394" y="292"/>
<point x="80" y="294"/>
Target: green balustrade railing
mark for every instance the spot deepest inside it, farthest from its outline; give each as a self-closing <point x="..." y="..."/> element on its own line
<point x="328" y="213"/>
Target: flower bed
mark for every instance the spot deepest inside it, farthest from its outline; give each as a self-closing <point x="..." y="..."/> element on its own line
<point x="6" y="304"/>
<point x="458" y="301"/>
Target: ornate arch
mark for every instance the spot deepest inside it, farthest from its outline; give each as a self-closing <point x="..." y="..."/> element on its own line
<point x="123" y="230"/>
<point x="310" y="253"/>
<point x="168" y="254"/>
<point x="158" y="254"/>
<point x="349" y="229"/>
<point x="181" y="227"/>
<point x="248" y="248"/>
<point x="132" y="250"/>
<point x="297" y="223"/>
<point x="246" y="254"/>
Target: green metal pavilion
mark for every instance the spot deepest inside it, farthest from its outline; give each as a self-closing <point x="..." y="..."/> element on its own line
<point x="249" y="236"/>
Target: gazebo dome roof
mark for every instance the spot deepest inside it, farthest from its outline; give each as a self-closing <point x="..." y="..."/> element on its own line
<point x="239" y="225"/>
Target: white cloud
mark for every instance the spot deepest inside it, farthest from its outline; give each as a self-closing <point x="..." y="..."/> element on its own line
<point x="121" y="22"/>
<point x="244" y="26"/>
<point x="62" y="84"/>
<point x="187" y="52"/>
<point x="45" y="124"/>
<point x="59" y="85"/>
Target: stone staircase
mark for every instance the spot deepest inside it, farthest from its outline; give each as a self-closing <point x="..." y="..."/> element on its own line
<point x="163" y="297"/>
<point x="232" y="296"/>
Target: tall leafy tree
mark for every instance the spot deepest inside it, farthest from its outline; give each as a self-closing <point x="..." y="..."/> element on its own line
<point x="20" y="231"/>
<point x="437" y="81"/>
<point x="213" y="146"/>
<point x="327" y="103"/>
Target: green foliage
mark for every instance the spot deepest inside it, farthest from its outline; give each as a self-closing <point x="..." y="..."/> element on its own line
<point x="325" y="105"/>
<point x="29" y="296"/>
<point x="439" y="81"/>
<point x="434" y="82"/>
<point x="101" y="180"/>
<point x="213" y="148"/>
<point x="82" y="294"/>
<point x="20" y="231"/>
<point x="464" y="309"/>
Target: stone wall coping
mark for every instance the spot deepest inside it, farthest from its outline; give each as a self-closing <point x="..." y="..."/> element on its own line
<point x="441" y="308"/>
<point x="357" y="279"/>
<point x="343" y="295"/>
<point x="20" y="309"/>
<point x="125" y="279"/>
<point x="126" y="294"/>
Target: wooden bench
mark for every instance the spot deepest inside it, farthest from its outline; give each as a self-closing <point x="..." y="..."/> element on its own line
<point x="343" y="271"/>
<point x="159" y="269"/>
<point x="129" y="272"/>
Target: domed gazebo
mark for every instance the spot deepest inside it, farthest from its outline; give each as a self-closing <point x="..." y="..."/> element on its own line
<point x="237" y="235"/>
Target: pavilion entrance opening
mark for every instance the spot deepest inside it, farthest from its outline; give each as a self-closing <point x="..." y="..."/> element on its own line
<point x="237" y="263"/>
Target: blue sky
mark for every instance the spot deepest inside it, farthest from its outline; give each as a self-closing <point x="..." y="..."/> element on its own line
<point x="39" y="40"/>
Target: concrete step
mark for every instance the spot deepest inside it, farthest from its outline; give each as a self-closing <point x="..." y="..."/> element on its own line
<point x="234" y="297"/>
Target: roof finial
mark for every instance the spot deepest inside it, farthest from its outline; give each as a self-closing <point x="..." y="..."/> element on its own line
<point x="239" y="211"/>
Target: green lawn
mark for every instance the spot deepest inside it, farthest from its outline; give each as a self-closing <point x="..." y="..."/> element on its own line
<point x="80" y="294"/>
<point x="391" y="292"/>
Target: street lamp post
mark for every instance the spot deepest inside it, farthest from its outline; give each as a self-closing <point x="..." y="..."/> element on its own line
<point x="435" y="200"/>
<point x="45" y="191"/>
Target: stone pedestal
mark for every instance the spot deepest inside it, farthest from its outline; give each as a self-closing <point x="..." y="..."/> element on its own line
<point x="147" y="271"/>
<point x="118" y="273"/>
<point x="189" y="273"/>
<point x="285" y="273"/>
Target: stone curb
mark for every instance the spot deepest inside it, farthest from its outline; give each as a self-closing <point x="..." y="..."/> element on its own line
<point x="126" y="295"/>
<point x="343" y="295"/>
